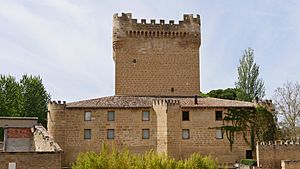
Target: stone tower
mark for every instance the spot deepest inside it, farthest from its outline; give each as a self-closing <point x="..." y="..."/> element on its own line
<point x="56" y="124"/>
<point x="156" y="59"/>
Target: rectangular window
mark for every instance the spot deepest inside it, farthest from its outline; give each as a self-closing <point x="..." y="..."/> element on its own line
<point x="12" y="165"/>
<point x="87" y="116"/>
<point x="111" y="116"/>
<point x="146" y="133"/>
<point x="110" y="133"/>
<point x="219" y="134"/>
<point x="185" y="116"/>
<point x="219" y="115"/>
<point x="249" y="154"/>
<point x="146" y="115"/>
<point x="87" y="134"/>
<point x="186" y="134"/>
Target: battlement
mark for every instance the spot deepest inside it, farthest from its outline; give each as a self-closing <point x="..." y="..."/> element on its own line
<point x="57" y="104"/>
<point x="125" y="26"/>
<point x="127" y="18"/>
<point x="165" y="102"/>
<point x="279" y="142"/>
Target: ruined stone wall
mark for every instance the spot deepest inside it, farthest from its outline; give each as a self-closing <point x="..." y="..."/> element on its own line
<point x="156" y="59"/>
<point x="271" y="154"/>
<point x="31" y="160"/>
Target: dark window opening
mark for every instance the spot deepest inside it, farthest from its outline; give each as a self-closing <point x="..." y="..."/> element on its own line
<point x="185" y="116"/>
<point x="172" y="89"/>
<point x="134" y="60"/>
<point x="249" y="154"/>
<point x="219" y="115"/>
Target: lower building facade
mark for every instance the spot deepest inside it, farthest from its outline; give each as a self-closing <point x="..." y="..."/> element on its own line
<point x="177" y="126"/>
<point x="27" y="145"/>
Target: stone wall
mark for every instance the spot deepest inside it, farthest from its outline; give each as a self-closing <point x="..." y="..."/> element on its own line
<point x="156" y="59"/>
<point x="290" y="164"/>
<point x="269" y="155"/>
<point x="31" y="160"/>
<point x="128" y="127"/>
<point x="165" y="127"/>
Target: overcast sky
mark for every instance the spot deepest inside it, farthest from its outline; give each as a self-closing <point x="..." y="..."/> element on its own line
<point x="69" y="42"/>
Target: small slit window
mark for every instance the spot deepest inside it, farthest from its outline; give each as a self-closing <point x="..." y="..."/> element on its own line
<point x="172" y="89"/>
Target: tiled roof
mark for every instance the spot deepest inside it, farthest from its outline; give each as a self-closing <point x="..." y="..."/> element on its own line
<point x="113" y="102"/>
<point x="214" y="102"/>
<point x="145" y="102"/>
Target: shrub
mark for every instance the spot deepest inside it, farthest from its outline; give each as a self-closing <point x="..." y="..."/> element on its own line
<point x="122" y="159"/>
<point x="249" y="162"/>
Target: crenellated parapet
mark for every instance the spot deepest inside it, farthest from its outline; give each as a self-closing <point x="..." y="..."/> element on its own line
<point x="279" y="143"/>
<point x="125" y="26"/>
<point x="55" y="105"/>
<point x="268" y="104"/>
<point x="164" y="103"/>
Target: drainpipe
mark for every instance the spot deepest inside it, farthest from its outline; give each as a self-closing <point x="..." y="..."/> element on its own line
<point x="5" y="138"/>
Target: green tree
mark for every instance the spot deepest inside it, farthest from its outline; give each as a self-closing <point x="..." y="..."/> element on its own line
<point x="35" y="98"/>
<point x="254" y="124"/>
<point x="249" y="86"/>
<point x="265" y="124"/>
<point x="11" y="99"/>
<point x="27" y="98"/>
<point x="229" y="93"/>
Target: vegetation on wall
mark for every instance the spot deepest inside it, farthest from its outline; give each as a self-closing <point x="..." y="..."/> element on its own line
<point x="114" y="159"/>
<point x="253" y="123"/>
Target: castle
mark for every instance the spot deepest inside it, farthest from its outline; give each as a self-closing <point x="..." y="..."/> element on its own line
<point x="156" y="103"/>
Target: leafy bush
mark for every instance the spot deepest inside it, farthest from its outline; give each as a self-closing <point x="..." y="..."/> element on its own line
<point x="115" y="159"/>
<point x="249" y="162"/>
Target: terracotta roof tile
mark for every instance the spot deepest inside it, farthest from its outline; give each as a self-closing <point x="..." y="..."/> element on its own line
<point x="146" y="102"/>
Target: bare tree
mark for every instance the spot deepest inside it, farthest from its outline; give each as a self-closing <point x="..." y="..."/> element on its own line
<point x="287" y="102"/>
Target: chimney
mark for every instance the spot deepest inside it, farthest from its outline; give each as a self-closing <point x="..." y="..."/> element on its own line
<point x="196" y="99"/>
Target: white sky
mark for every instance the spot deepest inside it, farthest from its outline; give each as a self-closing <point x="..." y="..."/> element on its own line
<point x="69" y="42"/>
